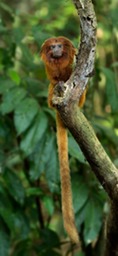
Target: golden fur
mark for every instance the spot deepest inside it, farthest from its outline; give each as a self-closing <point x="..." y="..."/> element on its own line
<point x="59" y="68"/>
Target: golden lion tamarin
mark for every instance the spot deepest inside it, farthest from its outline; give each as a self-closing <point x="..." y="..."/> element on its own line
<point x="58" y="56"/>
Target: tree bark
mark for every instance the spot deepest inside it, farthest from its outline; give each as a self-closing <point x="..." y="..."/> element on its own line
<point x="67" y="104"/>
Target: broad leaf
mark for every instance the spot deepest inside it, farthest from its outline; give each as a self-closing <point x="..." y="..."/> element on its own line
<point x="34" y="134"/>
<point x="6" y="85"/>
<point x="14" y="76"/>
<point x="111" y="91"/>
<point x="93" y="219"/>
<point x="80" y="192"/>
<point x="52" y="165"/>
<point x="25" y="113"/>
<point x="11" y="99"/>
<point x="14" y="186"/>
<point x="45" y="159"/>
<point x="74" y="150"/>
<point x="4" y="243"/>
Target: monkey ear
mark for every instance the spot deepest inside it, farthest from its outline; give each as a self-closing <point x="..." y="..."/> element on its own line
<point x="42" y="48"/>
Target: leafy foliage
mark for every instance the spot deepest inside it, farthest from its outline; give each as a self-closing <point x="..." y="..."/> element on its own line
<point x="30" y="213"/>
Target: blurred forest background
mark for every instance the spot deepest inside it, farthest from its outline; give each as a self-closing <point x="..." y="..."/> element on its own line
<point x="30" y="207"/>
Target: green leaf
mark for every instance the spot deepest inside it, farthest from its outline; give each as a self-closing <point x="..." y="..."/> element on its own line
<point x="74" y="150"/>
<point x="6" y="211"/>
<point x="33" y="192"/>
<point x="17" y="34"/>
<point x="50" y="238"/>
<point x="93" y="221"/>
<point x="22" y="225"/>
<point x="14" y="76"/>
<point x="27" y="58"/>
<point x="8" y="217"/>
<point x="49" y="205"/>
<point x="80" y="192"/>
<point x="45" y="160"/>
<point x="4" y="196"/>
<point x="4" y="243"/>
<point x="14" y="186"/>
<point x="52" y="165"/>
<point x="6" y="8"/>
<point x="108" y="132"/>
<point x="6" y="85"/>
<point x="38" y="159"/>
<point x="22" y="248"/>
<point x="11" y="99"/>
<point x="36" y="87"/>
<point x="34" y="134"/>
<point x="80" y="254"/>
<point x="3" y="30"/>
<point x="111" y="91"/>
<point x="25" y="113"/>
<point x="15" y="221"/>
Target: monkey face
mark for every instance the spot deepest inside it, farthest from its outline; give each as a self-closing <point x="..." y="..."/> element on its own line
<point x="57" y="51"/>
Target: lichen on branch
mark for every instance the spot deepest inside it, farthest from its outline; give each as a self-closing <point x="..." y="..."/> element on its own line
<point x="75" y="86"/>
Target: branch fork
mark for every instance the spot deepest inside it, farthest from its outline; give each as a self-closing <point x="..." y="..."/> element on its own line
<point x="66" y="98"/>
<point x="75" y="86"/>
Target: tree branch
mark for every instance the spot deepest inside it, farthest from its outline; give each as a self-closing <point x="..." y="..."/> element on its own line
<point x="66" y="102"/>
<point x="75" y="86"/>
<point x="99" y="161"/>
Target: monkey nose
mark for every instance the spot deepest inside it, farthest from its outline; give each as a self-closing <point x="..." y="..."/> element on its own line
<point x="57" y="51"/>
<point x="57" y="54"/>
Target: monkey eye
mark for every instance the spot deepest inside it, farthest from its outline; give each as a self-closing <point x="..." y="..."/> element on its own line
<point x="59" y="45"/>
<point x="52" y="46"/>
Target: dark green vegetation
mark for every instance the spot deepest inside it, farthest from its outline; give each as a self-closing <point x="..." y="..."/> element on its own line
<point x="30" y="208"/>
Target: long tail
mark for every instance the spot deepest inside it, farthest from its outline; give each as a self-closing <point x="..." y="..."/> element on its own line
<point x="67" y="205"/>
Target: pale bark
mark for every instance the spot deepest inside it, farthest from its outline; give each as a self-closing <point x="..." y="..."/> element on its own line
<point x="66" y="102"/>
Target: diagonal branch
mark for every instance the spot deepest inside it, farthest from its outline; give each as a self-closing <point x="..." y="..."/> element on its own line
<point x="70" y="95"/>
<point x="99" y="161"/>
<point x="66" y="102"/>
